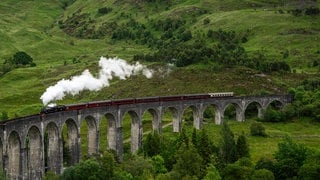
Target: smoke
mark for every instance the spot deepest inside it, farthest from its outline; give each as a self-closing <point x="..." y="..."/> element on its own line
<point x="109" y="68"/>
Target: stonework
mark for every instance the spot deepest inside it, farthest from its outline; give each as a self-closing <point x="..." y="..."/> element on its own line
<point x="22" y="146"/>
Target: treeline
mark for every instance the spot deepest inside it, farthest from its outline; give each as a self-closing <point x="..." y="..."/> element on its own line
<point x="306" y="103"/>
<point x="195" y="156"/>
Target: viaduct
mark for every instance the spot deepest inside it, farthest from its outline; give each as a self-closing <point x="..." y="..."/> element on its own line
<point x="25" y="155"/>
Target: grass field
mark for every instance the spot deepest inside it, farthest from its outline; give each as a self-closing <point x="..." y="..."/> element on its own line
<point x="33" y="27"/>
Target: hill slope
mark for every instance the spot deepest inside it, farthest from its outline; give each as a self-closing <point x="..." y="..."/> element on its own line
<point x="66" y="37"/>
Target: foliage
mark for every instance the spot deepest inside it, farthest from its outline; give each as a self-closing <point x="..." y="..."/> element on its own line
<point x="88" y="169"/>
<point x="311" y="166"/>
<point x="242" y="146"/>
<point x="188" y="162"/>
<point x="262" y="174"/>
<point x="19" y="59"/>
<point x="257" y="129"/>
<point x="273" y="115"/>
<point x="239" y="170"/>
<point x="104" y="10"/>
<point x="306" y="100"/>
<point x="265" y="163"/>
<point x="289" y="158"/>
<point x="227" y="145"/>
<point x="212" y="173"/>
<point x="152" y="144"/>
<point x="158" y="164"/>
<point x="136" y="165"/>
<point x="4" y="116"/>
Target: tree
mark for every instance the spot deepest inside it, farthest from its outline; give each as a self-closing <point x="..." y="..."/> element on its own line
<point x="88" y="169"/>
<point x="311" y="167"/>
<point x="265" y="163"/>
<point x="136" y="165"/>
<point x="158" y="164"/>
<point x="152" y="144"/>
<point x="188" y="162"/>
<point x="107" y="162"/>
<point x="257" y="129"/>
<point x="194" y="138"/>
<point x="262" y="174"/>
<point x="204" y="148"/>
<point x="289" y="158"/>
<point x="227" y="147"/>
<point x="4" y="116"/>
<point x="242" y="169"/>
<point x="242" y="146"/>
<point x="22" y="58"/>
<point x="212" y="173"/>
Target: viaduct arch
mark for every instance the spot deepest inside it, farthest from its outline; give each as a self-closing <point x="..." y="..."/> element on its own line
<point x="31" y="145"/>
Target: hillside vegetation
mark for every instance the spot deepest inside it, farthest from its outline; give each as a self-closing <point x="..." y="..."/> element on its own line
<point x="249" y="47"/>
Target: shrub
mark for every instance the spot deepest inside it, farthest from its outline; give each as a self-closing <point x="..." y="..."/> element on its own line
<point x="104" y="10"/>
<point x="262" y="174"/>
<point x="257" y="129"/>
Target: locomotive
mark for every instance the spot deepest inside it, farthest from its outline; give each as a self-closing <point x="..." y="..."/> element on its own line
<point x="71" y="107"/>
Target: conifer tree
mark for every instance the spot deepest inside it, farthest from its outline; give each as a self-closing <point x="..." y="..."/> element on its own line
<point x="194" y="138"/>
<point x="204" y="148"/>
<point x="227" y="147"/>
<point x="242" y="146"/>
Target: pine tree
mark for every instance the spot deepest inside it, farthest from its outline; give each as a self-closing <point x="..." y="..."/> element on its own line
<point x="227" y="149"/>
<point x="183" y="138"/>
<point x="194" y="138"/>
<point x="204" y="148"/>
<point x="242" y="147"/>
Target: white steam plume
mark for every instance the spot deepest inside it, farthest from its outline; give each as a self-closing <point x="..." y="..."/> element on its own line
<point x="109" y="68"/>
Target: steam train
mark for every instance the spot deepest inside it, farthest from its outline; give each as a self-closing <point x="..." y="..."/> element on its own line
<point x="72" y="107"/>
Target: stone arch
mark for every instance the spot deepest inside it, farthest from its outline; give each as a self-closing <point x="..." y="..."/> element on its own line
<point x="91" y="136"/>
<point x="251" y="105"/>
<point x="154" y="120"/>
<point x="72" y="142"/>
<point x="215" y="115"/>
<point x="176" y="118"/>
<point x="195" y="115"/>
<point x="52" y="147"/>
<point x="238" y="108"/>
<point x="34" y="153"/>
<point x="14" y="159"/>
<point x="276" y="103"/>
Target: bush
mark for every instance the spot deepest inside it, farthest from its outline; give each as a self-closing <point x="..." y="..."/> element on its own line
<point x="257" y="129"/>
<point x="104" y="10"/>
<point x="262" y="174"/>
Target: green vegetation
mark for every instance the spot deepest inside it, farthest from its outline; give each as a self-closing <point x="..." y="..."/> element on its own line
<point x="250" y="47"/>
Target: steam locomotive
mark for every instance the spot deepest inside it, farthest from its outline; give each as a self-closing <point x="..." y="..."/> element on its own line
<point x="71" y="107"/>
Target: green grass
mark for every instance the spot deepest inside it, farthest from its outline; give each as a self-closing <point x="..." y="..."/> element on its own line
<point x="32" y="26"/>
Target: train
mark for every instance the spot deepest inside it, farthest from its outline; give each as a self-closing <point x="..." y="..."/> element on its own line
<point x="107" y="103"/>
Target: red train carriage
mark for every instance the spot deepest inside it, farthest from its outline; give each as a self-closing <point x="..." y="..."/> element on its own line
<point x="147" y="99"/>
<point x="196" y="96"/>
<point x="123" y="102"/>
<point x="76" y="107"/>
<point x="99" y="104"/>
<point x="170" y="98"/>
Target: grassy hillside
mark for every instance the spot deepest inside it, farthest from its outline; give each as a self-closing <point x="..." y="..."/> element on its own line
<point x="65" y="37"/>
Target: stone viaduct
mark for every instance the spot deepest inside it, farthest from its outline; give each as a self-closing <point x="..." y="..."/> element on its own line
<point x="24" y="154"/>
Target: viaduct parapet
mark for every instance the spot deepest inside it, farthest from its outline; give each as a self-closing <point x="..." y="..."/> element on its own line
<point x="24" y="154"/>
